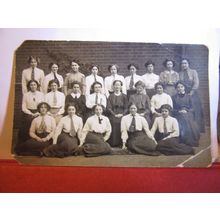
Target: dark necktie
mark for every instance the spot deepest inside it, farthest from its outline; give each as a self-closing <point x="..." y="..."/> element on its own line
<point x="96" y="99"/>
<point x="42" y="127"/>
<point x="72" y="128"/>
<point x="132" y="127"/>
<point x="95" y="78"/>
<point x="100" y="120"/>
<point x="55" y="77"/>
<point x="32" y="74"/>
<point x="164" y="126"/>
<point x="131" y="85"/>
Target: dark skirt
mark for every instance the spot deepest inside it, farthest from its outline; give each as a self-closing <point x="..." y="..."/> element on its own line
<point x="139" y="143"/>
<point x="150" y="92"/>
<point x="171" y="146"/>
<point x="189" y="131"/>
<point x="130" y="92"/>
<point x="95" y="145"/>
<point x="115" y="138"/>
<point x="66" y="146"/>
<point x="32" y="147"/>
<point x="26" y="120"/>
<point x="198" y="111"/>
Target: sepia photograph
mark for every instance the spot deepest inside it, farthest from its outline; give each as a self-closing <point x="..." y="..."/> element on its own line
<point x="111" y="104"/>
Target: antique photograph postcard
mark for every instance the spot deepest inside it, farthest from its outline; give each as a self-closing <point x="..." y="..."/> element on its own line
<point x="111" y="104"/>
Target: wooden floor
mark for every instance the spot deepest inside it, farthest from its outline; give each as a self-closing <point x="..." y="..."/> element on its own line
<point x="202" y="158"/>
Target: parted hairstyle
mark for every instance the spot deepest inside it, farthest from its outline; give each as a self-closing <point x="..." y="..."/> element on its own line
<point x="102" y="106"/>
<point x="43" y="103"/>
<point x="139" y="83"/>
<point x="71" y="104"/>
<point x="110" y="66"/>
<point x="29" y="83"/>
<point x="148" y="63"/>
<point x="166" y="106"/>
<point x="54" y="81"/>
<point x="180" y="82"/>
<point x="94" y="65"/>
<point x="167" y="60"/>
<point x="93" y="86"/>
<point x="30" y="58"/>
<point x="133" y="64"/>
<point x="51" y="64"/>
<point x="159" y="84"/>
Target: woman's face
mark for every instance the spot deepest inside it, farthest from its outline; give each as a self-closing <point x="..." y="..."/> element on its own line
<point x="76" y="88"/>
<point x="184" y="65"/>
<point x="133" y="109"/>
<point x="180" y="89"/>
<point x="33" y="63"/>
<point x="75" y="67"/>
<point x="53" y="87"/>
<point x="97" y="88"/>
<point x="54" y="68"/>
<point x="169" y="65"/>
<point x="33" y="86"/>
<point x="150" y="68"/>
<point x="98" y="110"/>
<point x="133" y="70"/>
<point x="117" y="86"/>
<point x="139" y="89"/>
<point x="113" y="70"/>
<point x="71" y="110"/>
<point x="95" y="70"/>
<point x="43" y="109"/>
<point x="159" y="89"/>
<point x="165" y="112"/>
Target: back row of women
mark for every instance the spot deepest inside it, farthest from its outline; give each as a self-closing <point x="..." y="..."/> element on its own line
<point x="146" y="93"/>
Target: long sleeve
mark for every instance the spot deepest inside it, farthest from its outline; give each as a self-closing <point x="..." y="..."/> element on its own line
<point x="146" y="128"/>
<point x="53" y="125"/>
<point x="154" y="127"/>
<point x="109" y="106"/>
<point x="108" y="130"/>
<point x="124" y="132"/>
<point x="125" y="100"/>
<point x="41" y="80"/>
<point x="85" y="130"/>
<point x="23" y="83"/>
<point x="24" y="106"/>
<point x="175" y="129"/>
<point x="58" y="130"/>
<point x="65" y="84"/>
<point x="106" y="87"/>
<point x="61" y="111"/>
<point x="79" y="131"/>
<point x="169" y="101"/>
<point x="89" y="103"/>
<point x="32" y="131"/>
<point x="152" y="103"/>
<point x="195" y="80"/>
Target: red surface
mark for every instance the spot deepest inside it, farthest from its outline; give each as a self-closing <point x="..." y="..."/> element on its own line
<point x="21" y="178"/>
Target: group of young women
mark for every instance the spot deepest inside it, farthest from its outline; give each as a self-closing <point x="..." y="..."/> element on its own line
<point x="149" y="114"/>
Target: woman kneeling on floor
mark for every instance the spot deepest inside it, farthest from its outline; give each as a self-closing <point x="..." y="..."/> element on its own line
<point x="67" y="134"/>
<point x="135" y="133"/>
<point x="95" y="133"/>
<point x="166" y="131"/>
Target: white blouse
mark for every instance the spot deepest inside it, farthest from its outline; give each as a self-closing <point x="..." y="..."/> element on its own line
<point x="90" y="80"/>
<point x="50" y="77"/>
<point x="31" y="100"/>
<point x="160" y="99"/>
<point x="50" y="126"/>
<point x="90" y="100"/>
<point x="65" y="125"/>
<point x="150" y="79"/>
<point x="140" y="122"/>
<point x="92" y="125"/>
<point x="26" y="77"/>
<point x="128" y="79"/>
<point x="60" y="100"/>
<point x="171" y="125"/>
<point x="109" y="84"/>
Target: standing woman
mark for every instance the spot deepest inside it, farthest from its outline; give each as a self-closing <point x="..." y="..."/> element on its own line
<point x="78" y="99"/>
<point x="30" y="101"/>
<point x="32" y="73"/>
<point x="93" y="77"/>
<point x="95" y="134"/>
<point x="117" y="106"/>
<point x="41" y="133"/>
<point x="74" y="75"/>
<point x="56" y="100"/>
<point x="67" y="135"/>
<point x="191" y="80"/>
<point x="169" y="77"/>
<point x="135" y="134"/>
<point x="184" y="113"/>
<point x="51" y="76"/>
<point x="142" y="101"/>
<point x="132" y="79"/>
<point x="166" y="131"/>
<point x="150" y="78"/>
<point x="108" y="82"/>
<point x="159" y="99"/>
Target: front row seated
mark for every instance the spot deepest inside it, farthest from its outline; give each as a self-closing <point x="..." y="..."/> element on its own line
<point x="71" y="138"/>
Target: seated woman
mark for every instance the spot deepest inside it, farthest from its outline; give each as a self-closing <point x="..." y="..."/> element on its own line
<point x="184" y="113"/>
<point x="96" y="97"/>
<point x="93" y="77"/>
<point x="166" y="131"/>
<point x="117" y="106"/>
<point x="135" y="134"/>
<point x="95" y="134"/>
<point x="169" y="77"/>
<point x="56" y="100"/>
<point x="41" y="133"/>
<point x="159" y="99"/>
<point x="142" y="101"/>
<point x="66" y="136"/>
<point x="30" y="101"/>
<point x="78" y="99"/>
